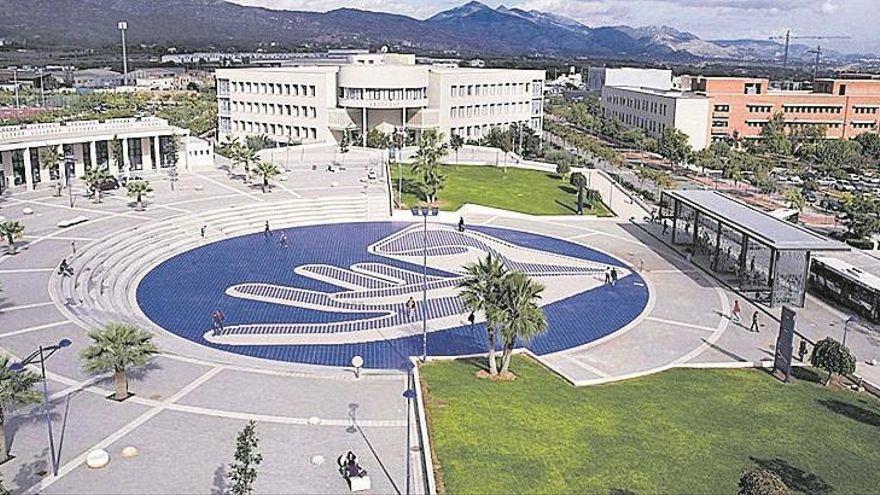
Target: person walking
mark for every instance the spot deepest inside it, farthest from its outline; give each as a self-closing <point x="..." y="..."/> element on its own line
<point x="735" y="312"/>
<point x="267" y="231"/>
<point x="202" y="231"/>
<point x="607" y="276"/>
<point x="754" y="326"/>
<point x="218" y="318"/>
<point x="283" y="240"/>
<point x="73" y="247"/>
<point x="665" y="226"/>
<point x="461" y="224"/>
<point x="410" y="308"/>
<point x="613" y="277"/>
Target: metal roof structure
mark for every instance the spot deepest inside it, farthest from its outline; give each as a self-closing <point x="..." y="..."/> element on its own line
<point x="756" y="223"/>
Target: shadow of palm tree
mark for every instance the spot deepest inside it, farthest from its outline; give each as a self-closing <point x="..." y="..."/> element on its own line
<point x="221" y="482"/>
<point x="795" y="479"/>
<point x="807" y="375"/>
<point x="852" y="411"/>
<point x="30" y="473"/>
<point x="567" y="206"/>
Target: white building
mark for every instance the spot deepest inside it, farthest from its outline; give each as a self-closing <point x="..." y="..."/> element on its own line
<point x="599" y="77"/>
<point x="386" y="91"/>
<point x="86" y="144"/>
<point x="655" y="110"/>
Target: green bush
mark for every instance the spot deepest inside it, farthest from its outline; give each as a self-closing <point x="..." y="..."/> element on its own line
<point x="861" y="243"/>
<point x="831" y="356"/>
<point x="761" y="482"/>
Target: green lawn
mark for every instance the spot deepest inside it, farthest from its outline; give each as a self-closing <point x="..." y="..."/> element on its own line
<point x="526" y="191"/>
<point x="680" y="431"/>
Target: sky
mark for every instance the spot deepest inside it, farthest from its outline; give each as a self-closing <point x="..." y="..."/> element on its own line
<point x="709" y="19"/>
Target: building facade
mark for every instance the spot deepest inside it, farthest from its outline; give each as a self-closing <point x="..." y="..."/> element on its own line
<point x="599" y="77"/>
<point x="83" y="145"/>
<point x="741" y="107"/>
<point x="387" y="92"/>
<point x="655" y="110"/>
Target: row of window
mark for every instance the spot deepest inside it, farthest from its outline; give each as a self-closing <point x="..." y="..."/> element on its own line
<point x="761" y="124"/>
<point x="864" y="110"/>
<point x="811" y="109"/>
<point x="267" y="88"/>
<point x="654" y="107"/>
<point x="400" y="94"/>
<point x="488" y="110"/>
<point x="760" y="108"/>
<point x="270" y="109"/>
<point x="864" y="125"/>
<point x="494" y="89"/>
<point x="295" y="132"/>
<point x="478" y="131"/>
<point x="722" y="108"/>
<point x="649" y="125"/>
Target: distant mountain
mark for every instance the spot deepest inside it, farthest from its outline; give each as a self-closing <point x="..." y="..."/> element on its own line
<point x="470" y="29"/>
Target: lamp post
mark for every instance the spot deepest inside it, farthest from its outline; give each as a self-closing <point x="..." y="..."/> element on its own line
<point x="851" y="319"/>
<point x="410" y="394"/>
<point x="123" y="26"/>
<point x="424" y="212"/>
<point x="40" y="356"/>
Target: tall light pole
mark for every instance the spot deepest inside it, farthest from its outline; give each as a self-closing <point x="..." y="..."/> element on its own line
<point x="851" y="319"/>
<point x="123" y="26"/>
<point x="424" y="212"/>
<point x="410" y="394"/>
<point x="40" y="356"/>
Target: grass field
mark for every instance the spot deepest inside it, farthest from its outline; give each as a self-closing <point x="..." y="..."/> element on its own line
<point x="680" y="431"/>
<point x="526" y="191"/>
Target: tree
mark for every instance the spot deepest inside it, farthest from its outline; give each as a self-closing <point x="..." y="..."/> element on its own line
<point x="378" y="139"/>
<point x="11" y="230"/>
<point x="563" y="169"/>
<point x="456" y="142"/>
<point x="862" y="215"/>
<point x="171" y="152"/>
<point x="795" y="198"/>
<point x="579" y="181"/>
<point x="94" y="177"/>
<point x="479" y="292"/>
<point x="136" y="189"/>
<point x="518" y="314"/>
<point x="773" y="136"/>
<point x="870" y="143"/>
<point x="266" y="170"/>
<point x="831" y="356"/>
<point x="760" y="481"/>
<point x="247" y="156"/>
<point x="117" y="152"/>
<point x="427" y="164"/>
<point x="243" y="470"/>
<point x="835" y="154"/>
<point x="16" y="390"/>
<point x="116" y="347"/>
<point x="345" y="143"/>
<point x="50" y="158"/>
<point x="673" y="145"/>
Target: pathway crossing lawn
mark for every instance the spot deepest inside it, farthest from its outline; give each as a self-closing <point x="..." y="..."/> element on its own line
<point x="526" y="191"/>
<point x="680" y="431"/>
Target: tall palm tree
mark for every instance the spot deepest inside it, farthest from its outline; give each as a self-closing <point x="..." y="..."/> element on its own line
<point x="456" y="142"/>
<point x="266" y="171"/>
<point x="479" y="291"/>
<point x="49" y="158"/>
<point x="118" y="154"/>
<point x="16" y="389"/>
<point x="427" y="164"/>
<point x="136" y="189"/>
<point x="579" y="181"/>
<point x="231" y="148"/>
<point x="518" y="314"/>
<point x="247" y="156"/>
<point x="11" y="230"/>
<point x="94" y="177"/>
<point x="116" y="347"/>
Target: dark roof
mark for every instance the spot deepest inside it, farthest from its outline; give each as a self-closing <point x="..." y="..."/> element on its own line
<point x="758" y="224"/>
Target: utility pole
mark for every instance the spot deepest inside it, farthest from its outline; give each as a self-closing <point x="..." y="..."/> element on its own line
<point x="123" y="26"/>
<point x="788" y="37"/>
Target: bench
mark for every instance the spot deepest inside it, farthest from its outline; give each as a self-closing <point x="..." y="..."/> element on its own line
<point x="359" y="484"/>
<point x="73" y="221"/>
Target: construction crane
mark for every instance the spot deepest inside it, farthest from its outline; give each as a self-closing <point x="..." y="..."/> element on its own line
<point x="818" y="52"/>
<point x="788" y="37"/>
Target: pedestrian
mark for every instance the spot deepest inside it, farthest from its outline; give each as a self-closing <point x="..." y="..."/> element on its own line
<point x="665" y="226"/>
<point x="64" y="269"/>
<point x="202" y="230"/>
<point x="613" y="277"/>
<point x="267" y="231"/>
<point x="411" y="308"/>
<point x="73" y="246"/>
<point x="802" y="350"/>
<point x="607" y="276"/>
<point x="735" y="313"/>
<point x="461" y="224"/>
<point x="472" y="318"/>
<point x="217" y="316"/>
<point x="283" y="240"/>
<point x="754" y="326"/>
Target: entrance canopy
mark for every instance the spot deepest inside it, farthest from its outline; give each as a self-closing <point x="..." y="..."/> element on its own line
<point x="743" y="245"/>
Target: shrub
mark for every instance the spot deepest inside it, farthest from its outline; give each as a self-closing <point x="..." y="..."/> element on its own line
<point x="761" y="482"/>
<point x="831" y="356"/>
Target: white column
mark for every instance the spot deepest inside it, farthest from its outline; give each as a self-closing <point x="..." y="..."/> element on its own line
<point x="183" y="151"/>
<point x="112" y="164"/>
<point x="6" y="159"/>
<point x="126" y="160"/>
<point x="28" y="170"/>
<point x="93" y="154"/>
<point x="79" y="159"/>
<point x="403" y="120"/>
<point x="158" y="151"/>
<point x="364" y="133"/>
<point x="146" y="157"/>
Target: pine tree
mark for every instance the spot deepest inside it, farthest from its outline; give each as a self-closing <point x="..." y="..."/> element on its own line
<point x="243" y="471"/>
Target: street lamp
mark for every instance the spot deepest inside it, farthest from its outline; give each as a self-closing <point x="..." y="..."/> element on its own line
<point x="410" y="394"/>
<point x="123" y="26"/>
<point x="40" y="356"/>
<point x="424" y="212"/>
<point x="852" y="319"/>
<point x="69" y="174"/>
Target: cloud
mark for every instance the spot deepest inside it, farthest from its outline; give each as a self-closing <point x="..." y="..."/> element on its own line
<point x="828" y="7"/>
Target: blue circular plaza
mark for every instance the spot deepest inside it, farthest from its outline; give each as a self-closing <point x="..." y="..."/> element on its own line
<point x="322" y="294"/>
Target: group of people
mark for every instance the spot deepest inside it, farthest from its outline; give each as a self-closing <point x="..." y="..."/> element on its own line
<point x="736" y="316"/>
<point x="219" y="320"/>
<point x="611" y="276"/>
<point x="282" y="239"/>
<point x="64" y="269"/>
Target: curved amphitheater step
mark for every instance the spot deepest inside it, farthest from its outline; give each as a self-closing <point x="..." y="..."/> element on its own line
<point x="103" y="285"/>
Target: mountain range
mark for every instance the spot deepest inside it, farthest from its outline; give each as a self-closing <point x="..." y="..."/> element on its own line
<point x="467" y="30"/>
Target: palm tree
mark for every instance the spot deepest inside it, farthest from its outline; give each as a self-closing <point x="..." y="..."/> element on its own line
<point x="115" y="347"/>
<point x="49" y="158"/>
<point x="479" y="291"/>
<point x="518" y="314"/>
<point x="137" y="189"/>
<point x="266" y="170"/>
<point x="247" y="156"/>
<point x="16" y="389"/>
<point x="231" y="149"/>
<point x="579" y="181"/>
<point x="427" y="164"/>
<point x="118" y="154"/>
<point x="11" y="230"/>
<point x="94" y="177"/>
<point x="456" y="142"/>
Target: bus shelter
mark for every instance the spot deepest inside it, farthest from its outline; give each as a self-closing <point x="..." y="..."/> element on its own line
<point x="746" y="247"/>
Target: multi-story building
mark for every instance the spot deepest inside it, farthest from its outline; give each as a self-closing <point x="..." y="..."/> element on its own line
<point x="741" y="107"/>
<point x="386" y="91"/>
<point x="655" y="110"/>
<point x="599" y="77"/>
